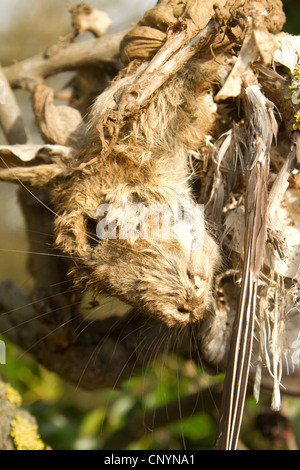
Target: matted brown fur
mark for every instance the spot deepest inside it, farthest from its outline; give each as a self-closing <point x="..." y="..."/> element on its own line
<point x="149" y="164"/>
<point x="146" y="161"/>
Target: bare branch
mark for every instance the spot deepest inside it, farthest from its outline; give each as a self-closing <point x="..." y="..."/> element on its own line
<point x="30" y="72"/>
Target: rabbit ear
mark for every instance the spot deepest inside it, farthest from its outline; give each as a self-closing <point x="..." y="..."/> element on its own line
<point x="38" y="176"/>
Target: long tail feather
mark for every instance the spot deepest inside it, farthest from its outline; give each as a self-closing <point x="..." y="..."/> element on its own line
<point x="256" y="173"/>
